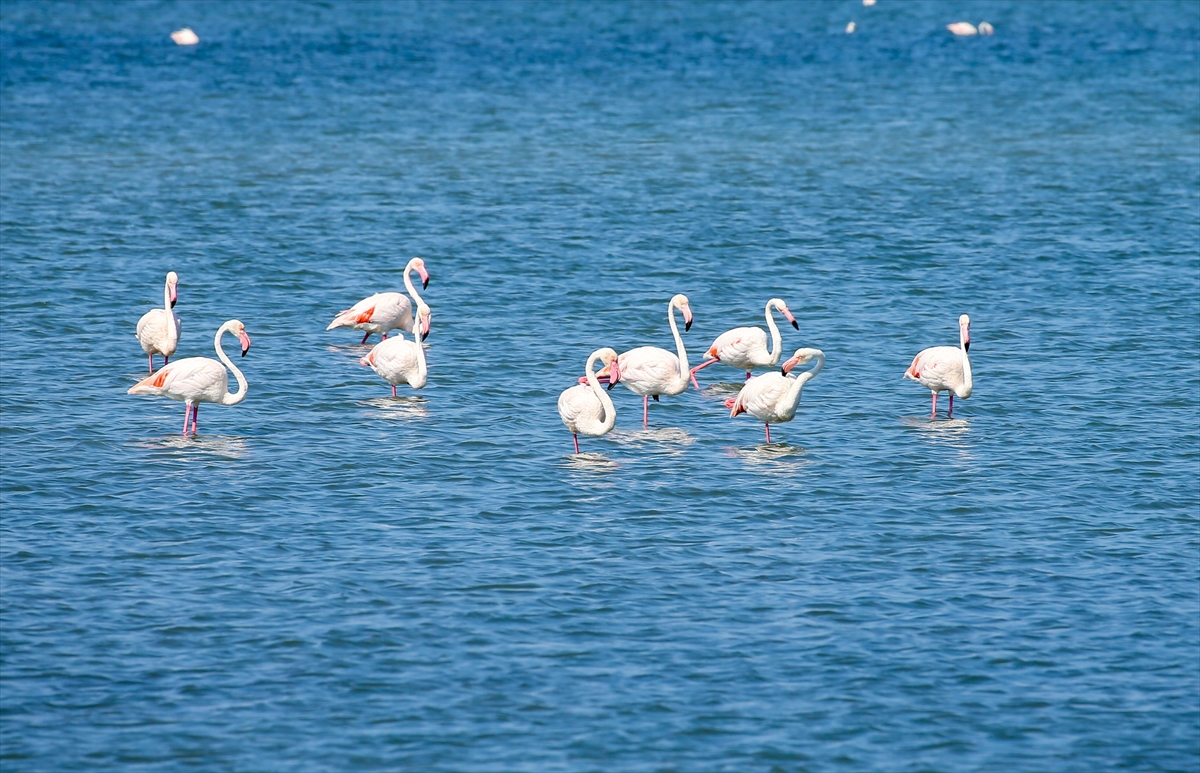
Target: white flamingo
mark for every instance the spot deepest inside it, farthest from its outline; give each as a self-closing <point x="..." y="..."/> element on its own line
<point x="195" y="380"/>
<point x="746" y="347"/>
<point x="382" y="312"/>
<point x="158" y="329"/>
<point x="945" y="368"/>
<point x="398" y="361"/>
<point x="772" y="398"/>
<point x="587" y="409"/>
<point x="650" y="371"/>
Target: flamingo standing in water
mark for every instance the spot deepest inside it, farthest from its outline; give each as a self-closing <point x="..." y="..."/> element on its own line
<point x="397" y="361"/>
<point x="945" y="368"/>
<point x="587" y="409"/>
<point x="158" y="329"/>
<point x="746" y="347"/>
<point x="650" y="371"/>
<point x="195" y="380"/>
<point x="382" y="312"/>
<point x="772" y="398"/>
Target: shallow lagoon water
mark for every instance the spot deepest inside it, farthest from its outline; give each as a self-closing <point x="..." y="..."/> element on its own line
<point x="329" y="578"/>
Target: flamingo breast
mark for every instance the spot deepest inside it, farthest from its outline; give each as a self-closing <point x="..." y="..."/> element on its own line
<point x="581" y="411"/>
<point x="396" y="361"/>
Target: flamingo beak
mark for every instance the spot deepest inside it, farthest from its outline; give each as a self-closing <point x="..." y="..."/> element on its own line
<point x="425" y="328"/>
<point x="245" y="339"/>
<point x="787" y="313"/>
<point x="174" y="295"/>
<point x="687" y="319"/>
<point x="614" y="374"/>
<point x="424" y="277"/>
<point x="787" y="366"/>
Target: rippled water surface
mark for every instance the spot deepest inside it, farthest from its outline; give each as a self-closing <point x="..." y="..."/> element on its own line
<point x="329" y="578"/>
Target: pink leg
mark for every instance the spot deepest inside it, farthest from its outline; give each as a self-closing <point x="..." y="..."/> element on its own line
<point x="768" y="426"/>
<point x="576" y="439"/>
<point x="747" y="375"/>
<point x="384" y="336"/>
<point x="195" y="417"/>
<point x="152" y="363"/>
<point x="645" y="411"/>
<point x="701" y="366"/>
<point x="187" y="414"/>
<point x="950" y="410"/>
<point x="934" y="414"/>
<point x="368" y="335"/>
<point x="393" y="390"/>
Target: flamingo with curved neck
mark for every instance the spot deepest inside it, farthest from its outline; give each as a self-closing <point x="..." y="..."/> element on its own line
<point x="650" y="371"/>
<point x="587" y="409"/>
<point x="772" y="398"/>
<point x="382" y="312"/>
<point x="195" y="380"/>
<point x="945" y="369"/>
<point x="158" y="329"/>
<point x="398" y="361"/>
<point x="746" y="347"/>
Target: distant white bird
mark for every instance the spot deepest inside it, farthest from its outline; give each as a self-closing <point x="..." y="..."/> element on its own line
<point x="650" y="371"/>
<point x="962" y="28"/>
<point x="851" y="27"/>
<point x="382" y="312"/>
<point x="746" y="347"/>
<point x="868" y="3"/>
<point x="158" y="329"/>
<point x="185" y="37"/>
<point x="195" y="380"/>
<point x="586" y="409"/>
<point x="986" y="29"/>
<point x="772" y="398"/>
<point x="397" y="361"/>
<point x="945" y="368"/>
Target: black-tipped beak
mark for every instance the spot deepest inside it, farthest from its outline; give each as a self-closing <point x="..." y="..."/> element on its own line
<point x="687" y="326"/>
<point x="425" y="284"/>
<point x="244" y="352"/>
<point x="173" y="302"/>
<point x="966" y="346"/>
<point x="795" y="324"/>
<point x="610" y="386"/>
<point x="783" y="371"/>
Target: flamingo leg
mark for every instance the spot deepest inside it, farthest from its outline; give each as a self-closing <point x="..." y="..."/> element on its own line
<point x="768" y="426"/>
<point x="950" y="410"/>
<point x="151" y="363"/>
<point x="748" y="375"/>
<point x="365" y="337"/>
<point x="384" y="336"/>
<point x="645" y="411"/>
<point x="393" y="390"/>
<point x="187" y="414"/>
<point x="576" y="439"/>
<point x="933" y="415"/>
<point x="166" y="360"/>
<point x="195" y="417"/>
<point x="701" y="366"/>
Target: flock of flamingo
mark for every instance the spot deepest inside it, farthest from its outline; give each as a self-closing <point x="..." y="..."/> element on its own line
<point x="586" y="408"/>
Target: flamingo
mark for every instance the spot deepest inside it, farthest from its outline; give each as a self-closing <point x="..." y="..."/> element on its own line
<point x="382" y="312"/>
<point x="195" y="380"/>
<point x="746" y="347"/>
<point x="398" y="361"/>
<point x="158" y="329"/>
<point x="650" y="371"/>
<point x="772" y="398"/>
<point x="587" y="409"/>
<point x="945" y="368"/>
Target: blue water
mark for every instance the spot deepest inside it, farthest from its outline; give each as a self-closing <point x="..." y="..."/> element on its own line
<point x="327" y="578"/>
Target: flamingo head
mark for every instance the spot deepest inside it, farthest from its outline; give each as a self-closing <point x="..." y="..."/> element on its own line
<point x="239" y="329"/>
<point x="612" y="367"/>
<point x="964" y="332"/>
<point x="786" y="312"/>
<point x="421" y="329"/>
<point x="418" y="265"/>
<point x="172" y="282"/>
<point x="801" y="357"/>
<point x="681" y="302"/>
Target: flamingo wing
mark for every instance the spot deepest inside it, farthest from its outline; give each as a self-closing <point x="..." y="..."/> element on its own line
<point x="193" y="378"/>
<point x="153" y="332"/>
<point x="648" y="367"/>
<point x="761" y="395"/>
<point x="742" y="347"/>
<point x="937" y="368"/>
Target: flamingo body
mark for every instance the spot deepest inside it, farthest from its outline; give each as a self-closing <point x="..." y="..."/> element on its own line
<point x="398" y="361"/>
<point x="158" y="329"/>
<point x="745" y="348"/>
<point x="586" y="409"/>
<point x="945" y="368"/>
<point x="650" y="371"/>
<point x="773" y="397"/>
<point x="195" y="380"/>
<point x="382" y="312"/>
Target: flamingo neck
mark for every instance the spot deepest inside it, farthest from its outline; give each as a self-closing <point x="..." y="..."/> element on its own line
<point x="610" y="410"/>
<point x="776" y="340"/>
<point x="683" y="360"/>
<point x="412" y="291"/>
<point x="172" y="331"/>
<point x="967" y="384"/>
<point x="227" y="398"/>
<point x="793" y="393"/>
